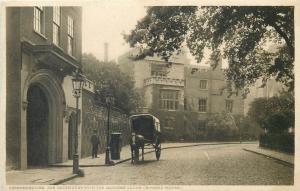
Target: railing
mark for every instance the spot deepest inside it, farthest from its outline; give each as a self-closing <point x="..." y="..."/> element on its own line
<point x="163" y="81"/>
<point x="88" y="85"/>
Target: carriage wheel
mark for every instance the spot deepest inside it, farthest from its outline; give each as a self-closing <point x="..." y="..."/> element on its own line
<point x="157" y="151"/>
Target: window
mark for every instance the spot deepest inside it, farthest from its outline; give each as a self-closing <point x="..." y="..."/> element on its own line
<point x="185" y="104"/>
<point x="38" y="19"/>
<point x="158" y="73"/>
<point x="158" y="70"/>
<point x="169" y="99"/>
<point x="70" y="36"/>
<point x="229" y="105"/>
<point x="202" y="105"/>
<point x="56" y="25"/>
<point x="203" y="84"/>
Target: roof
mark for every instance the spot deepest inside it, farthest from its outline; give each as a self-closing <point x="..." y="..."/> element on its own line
<point x="156" y="120"/>
<point x="144" y="114"/>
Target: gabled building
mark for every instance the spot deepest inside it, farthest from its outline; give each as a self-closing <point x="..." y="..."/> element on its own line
<point x="43" y="50"/>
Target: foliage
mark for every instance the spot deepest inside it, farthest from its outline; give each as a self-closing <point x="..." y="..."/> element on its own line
<point x="258" y="42"/>
<point x="221" y="125"/>
<point x="250" y="130"/>
<point x="108" y="77"/>
<point x="278" y="141"/>
<point x="275" y="114"/>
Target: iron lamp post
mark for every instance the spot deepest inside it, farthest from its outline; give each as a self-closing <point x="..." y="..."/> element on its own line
<point x="109" y="99"/>
<point x="77" y="83"/>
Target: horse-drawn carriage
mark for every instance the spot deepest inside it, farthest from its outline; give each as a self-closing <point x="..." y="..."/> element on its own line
<point x="145" y="134"/>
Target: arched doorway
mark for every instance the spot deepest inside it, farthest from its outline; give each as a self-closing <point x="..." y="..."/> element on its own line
<point x="43" y="88"/>
<point x="37" y="127"/>
<point x="71" y="135"/>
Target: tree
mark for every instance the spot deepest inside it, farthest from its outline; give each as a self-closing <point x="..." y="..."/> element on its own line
<point x="221" y="126"/>
<point x="258" y="42"/>
<point x="108" y="76"/>
<point x="275" y="114"/>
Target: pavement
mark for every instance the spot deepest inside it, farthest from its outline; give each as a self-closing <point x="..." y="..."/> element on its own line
<point x="39" y="176"/>
<point x="283" y="157"/>
<point x="62" y="172"/>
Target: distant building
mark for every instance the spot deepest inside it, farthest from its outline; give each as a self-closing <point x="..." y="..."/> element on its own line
<point x="43" y="50"/>
<point x="181" y="95"/>
<point x="271" y="89"/>
<point x="206" y="93"/>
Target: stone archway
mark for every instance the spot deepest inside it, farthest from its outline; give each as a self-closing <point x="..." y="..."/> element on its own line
<point x="49" y="86"/>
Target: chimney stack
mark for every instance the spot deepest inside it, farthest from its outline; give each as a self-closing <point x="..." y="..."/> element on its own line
<point x="105" y="52"/>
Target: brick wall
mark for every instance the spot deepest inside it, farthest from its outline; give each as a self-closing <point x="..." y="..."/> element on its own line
<point x="95" y="117"/>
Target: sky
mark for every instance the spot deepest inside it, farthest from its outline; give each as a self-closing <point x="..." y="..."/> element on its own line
<point x="105" y="22"/>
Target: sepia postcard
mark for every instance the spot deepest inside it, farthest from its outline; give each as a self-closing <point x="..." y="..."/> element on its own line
<point x="149" y="95"/>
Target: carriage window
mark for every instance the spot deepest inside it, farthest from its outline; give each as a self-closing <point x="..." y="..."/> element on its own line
<point x="169" y="99"/>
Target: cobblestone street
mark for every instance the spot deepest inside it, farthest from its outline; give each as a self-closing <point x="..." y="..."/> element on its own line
<point x="200" y="165"/>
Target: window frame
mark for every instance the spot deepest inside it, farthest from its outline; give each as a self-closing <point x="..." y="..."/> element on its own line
<point x="39" y="20"/>
<point x="169" y="99"/>
<point x="206" y="84"/>
<point x="201" y="106"/>
<point x="70" y="36"/>
<point x="56" y="25"/>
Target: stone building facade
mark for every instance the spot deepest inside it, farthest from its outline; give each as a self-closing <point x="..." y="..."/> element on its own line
<point x="43" y="50"/>
<point x="206" y="95"/>
<point x="181" y="95"/>
<point x="161" y="85"/>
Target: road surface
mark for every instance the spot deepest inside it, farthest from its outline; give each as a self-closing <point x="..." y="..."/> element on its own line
<point x="200" y="165"/>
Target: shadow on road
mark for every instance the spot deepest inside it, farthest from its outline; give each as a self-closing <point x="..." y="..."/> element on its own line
<point x="145" y="162"/>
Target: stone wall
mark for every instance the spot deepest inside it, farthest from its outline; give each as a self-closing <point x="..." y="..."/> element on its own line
<point x="95" y="117"/>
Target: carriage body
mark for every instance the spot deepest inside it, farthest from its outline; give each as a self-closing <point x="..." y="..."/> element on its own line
<point x="145" y="134"/>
